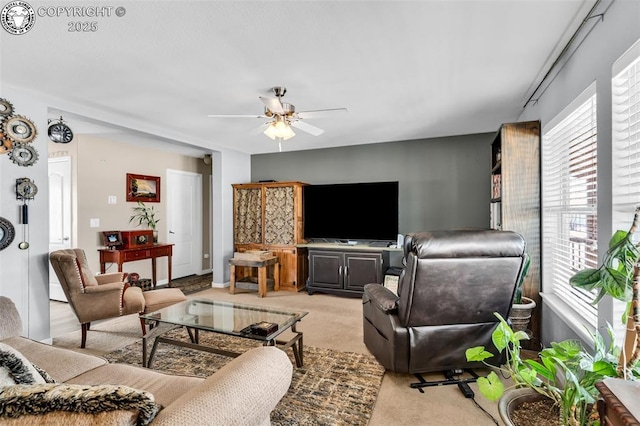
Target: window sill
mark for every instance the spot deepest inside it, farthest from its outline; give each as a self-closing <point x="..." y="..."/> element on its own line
<point x="574" y="321"/>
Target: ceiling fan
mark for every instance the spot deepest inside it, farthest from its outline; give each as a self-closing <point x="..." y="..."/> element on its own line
<point x="282" y="116"/>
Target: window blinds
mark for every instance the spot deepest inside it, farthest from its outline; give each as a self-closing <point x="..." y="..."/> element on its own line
<point x="625" y="111"/>
<point x="626" y="143"/>
<point x="569" y="200"/>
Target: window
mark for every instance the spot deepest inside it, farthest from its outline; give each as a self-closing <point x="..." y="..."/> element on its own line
<point x="569" y="202"/>
<point x="625" y="91"/>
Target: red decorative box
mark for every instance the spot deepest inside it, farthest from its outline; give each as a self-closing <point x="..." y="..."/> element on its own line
<point x="137" y="239"/>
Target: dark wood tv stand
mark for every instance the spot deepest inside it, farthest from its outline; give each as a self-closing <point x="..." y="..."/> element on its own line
<point x="344" y="269"/>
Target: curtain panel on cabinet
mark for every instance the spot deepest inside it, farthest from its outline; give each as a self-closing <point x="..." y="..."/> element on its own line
<point x="279" y="215"/>
<point x="248" y="216"/>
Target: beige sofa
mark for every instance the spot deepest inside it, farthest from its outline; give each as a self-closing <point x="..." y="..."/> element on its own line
<point x="243" y="392"/>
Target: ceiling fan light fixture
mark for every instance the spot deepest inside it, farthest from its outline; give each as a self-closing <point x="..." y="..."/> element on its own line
<point x="289" y="134"/>
<point x="279" y="129"/>
<point x="270" y="131"/>
<point x="282" y="116"/>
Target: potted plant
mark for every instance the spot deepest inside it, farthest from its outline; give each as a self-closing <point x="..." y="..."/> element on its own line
<point x="618" y="277"/>
<point x="522" y="306"/>
<point x="144" y="215"/>
<point x="565" y="375"/>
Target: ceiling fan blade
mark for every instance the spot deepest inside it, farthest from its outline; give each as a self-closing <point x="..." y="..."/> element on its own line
<point x="315" y="131"/>
<point x="260" y="129"/>
<point x="235" y="116"/>
<point x="317" y="113"/>
<point x="273" y="104"/>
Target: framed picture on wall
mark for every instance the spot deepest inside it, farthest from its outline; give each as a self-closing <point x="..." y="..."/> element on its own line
<point x="143" y="188"/>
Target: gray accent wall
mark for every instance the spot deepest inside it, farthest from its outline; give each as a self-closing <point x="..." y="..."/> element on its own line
<point x="444" y="182"/>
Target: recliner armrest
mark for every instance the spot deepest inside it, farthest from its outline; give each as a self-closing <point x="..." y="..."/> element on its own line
<point x="382" y="297"/>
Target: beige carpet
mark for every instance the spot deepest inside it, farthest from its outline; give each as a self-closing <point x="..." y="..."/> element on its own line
<point x="334" y="323"/>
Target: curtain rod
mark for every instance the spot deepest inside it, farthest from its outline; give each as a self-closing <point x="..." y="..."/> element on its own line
<point x="564" y="51"/>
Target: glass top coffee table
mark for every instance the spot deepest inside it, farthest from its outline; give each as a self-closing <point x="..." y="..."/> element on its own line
<point x="234" y="319"/>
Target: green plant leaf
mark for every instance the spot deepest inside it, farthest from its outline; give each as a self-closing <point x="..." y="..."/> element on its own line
<point x="617" y="284"/>
<point x="144" y="215"/>
<point x="525" y="270"/>
<point x="618" y="237"/>
<point x="520" y="335"/>
<point x="502" y="335"/>
<point x="542" y="370"/>
<point x="477" y="353"/>
<point x="548" y="363"/>
<point x="491" y="386"/>
<point x="604" y="368"/>
<point x="526" y="375"/>
<point x="565" y="350"/>
<point x="586" y="279"/>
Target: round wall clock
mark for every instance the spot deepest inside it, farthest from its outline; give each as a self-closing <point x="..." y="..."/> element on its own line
<point x="59" y="132"/>
<point x="7" y="232"/>
<point x="26" y="189"/>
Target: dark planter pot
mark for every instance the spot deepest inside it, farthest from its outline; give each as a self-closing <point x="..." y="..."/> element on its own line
<point x="512" y="399"/>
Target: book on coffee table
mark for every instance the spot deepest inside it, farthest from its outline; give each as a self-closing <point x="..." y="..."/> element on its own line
<point x="262" y="328"/>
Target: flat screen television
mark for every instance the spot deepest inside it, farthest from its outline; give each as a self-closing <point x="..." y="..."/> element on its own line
<point x="351" y="211"/>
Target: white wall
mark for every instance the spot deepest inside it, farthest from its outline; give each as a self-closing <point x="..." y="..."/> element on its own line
<point x="610" y="38"/>
<point x="24" y="273"/>
<point x="228" y="168"/>
<point x="102" y="168"/>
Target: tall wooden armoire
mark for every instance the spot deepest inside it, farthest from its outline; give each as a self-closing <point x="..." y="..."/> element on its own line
<point x="268" y="216"/>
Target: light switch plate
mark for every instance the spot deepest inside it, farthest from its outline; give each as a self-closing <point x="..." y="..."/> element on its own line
<point x="112" y="199"/>
<point x="94" y="223"/>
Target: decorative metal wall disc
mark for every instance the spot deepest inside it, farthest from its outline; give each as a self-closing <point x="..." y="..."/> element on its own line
<point x="5" y="144"/>
<point x="7" y="233"/>
<point x="23" y="155"/>
<point x="6" y="109"/>
<point x="19" y="129"/>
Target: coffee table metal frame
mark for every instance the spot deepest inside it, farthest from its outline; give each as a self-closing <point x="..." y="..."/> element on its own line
<point x="233" y="318"/>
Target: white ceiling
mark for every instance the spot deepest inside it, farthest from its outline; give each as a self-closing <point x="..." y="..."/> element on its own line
<point x="404" y="69"/>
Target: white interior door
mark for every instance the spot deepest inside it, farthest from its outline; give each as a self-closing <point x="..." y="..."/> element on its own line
<point x="184" y="221"/>
<point x="59" y="216"/>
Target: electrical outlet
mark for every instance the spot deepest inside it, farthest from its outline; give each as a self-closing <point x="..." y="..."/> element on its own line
<point x="94" y="223"/>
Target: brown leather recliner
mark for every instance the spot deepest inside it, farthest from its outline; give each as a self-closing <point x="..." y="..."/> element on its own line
<point x="96" y="297"/>
<point x="452" y="284"/>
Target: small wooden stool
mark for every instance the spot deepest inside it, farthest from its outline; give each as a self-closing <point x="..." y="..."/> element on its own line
<point x="262" y="266"/>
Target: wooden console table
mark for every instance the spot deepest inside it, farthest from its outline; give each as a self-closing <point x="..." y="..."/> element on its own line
<point x="619" y="403"/>
<point x="121" y="256"/>
<point x="262" y="266"/>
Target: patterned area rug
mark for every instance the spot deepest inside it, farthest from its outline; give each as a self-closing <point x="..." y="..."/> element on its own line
<point x="332" y="388"/>
<point x="192" y="283"/>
